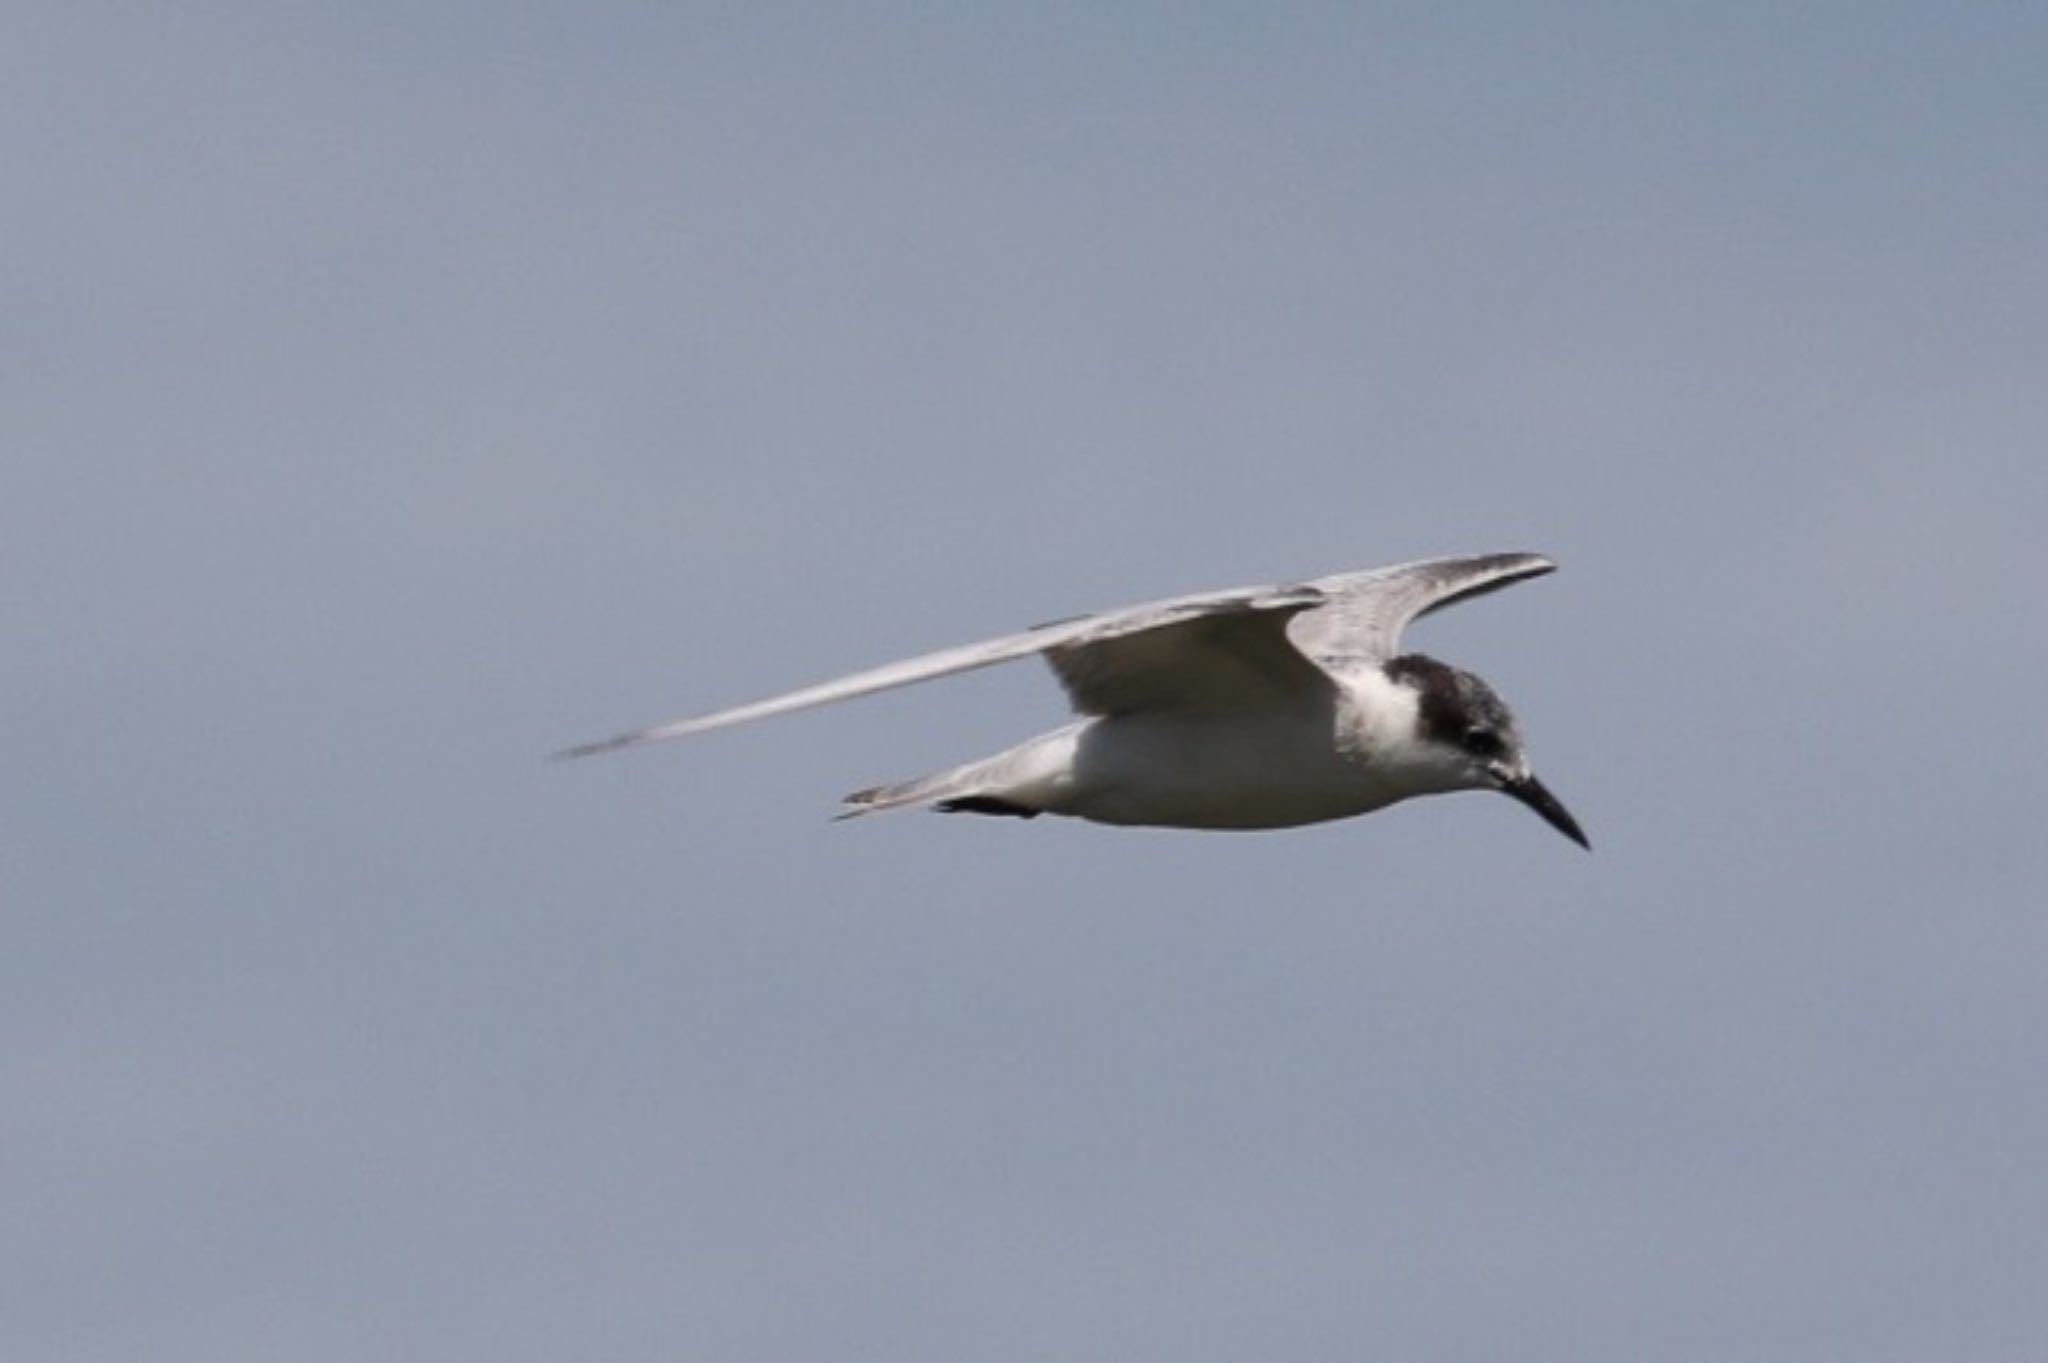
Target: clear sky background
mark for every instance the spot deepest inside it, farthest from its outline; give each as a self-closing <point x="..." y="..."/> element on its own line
<point x="393" y="393"/>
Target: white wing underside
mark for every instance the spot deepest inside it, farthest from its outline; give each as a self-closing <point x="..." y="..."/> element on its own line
<point x="1247" y="647"/>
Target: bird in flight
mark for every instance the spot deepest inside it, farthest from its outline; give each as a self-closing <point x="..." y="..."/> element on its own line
<point x="1260" y="707"/>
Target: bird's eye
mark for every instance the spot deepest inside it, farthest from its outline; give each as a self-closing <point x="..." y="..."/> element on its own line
<point x="1482" y="742"/>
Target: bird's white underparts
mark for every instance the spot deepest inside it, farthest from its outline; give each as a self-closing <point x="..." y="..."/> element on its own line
<point x="1258" y="707"/>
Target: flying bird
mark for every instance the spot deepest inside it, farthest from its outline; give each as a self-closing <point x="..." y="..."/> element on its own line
<point x="1260" y="707"/>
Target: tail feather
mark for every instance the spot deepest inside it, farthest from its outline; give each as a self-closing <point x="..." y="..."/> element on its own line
<point x="1015" y="783"/>
<point x="959" y="791"/>
<point x="901" y="795"/>
<point x="986" y="804"/>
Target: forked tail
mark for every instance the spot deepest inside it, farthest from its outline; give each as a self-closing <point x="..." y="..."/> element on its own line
<point x="1014" y="784"/>
<point x="934" y="792"/>
<point x="924" y="790"/>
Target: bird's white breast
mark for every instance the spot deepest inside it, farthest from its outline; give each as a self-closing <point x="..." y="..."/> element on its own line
<point x="1265" y="769"/>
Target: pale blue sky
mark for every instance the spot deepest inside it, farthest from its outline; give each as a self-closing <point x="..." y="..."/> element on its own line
<point x="395" y="393"/>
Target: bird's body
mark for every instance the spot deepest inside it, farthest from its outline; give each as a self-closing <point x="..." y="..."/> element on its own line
<point x="1256" y="708"/>
<point x="1328" y="758"/>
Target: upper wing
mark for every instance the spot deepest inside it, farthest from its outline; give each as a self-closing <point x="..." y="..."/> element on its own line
<point x="1187" y="650"/>
<point x="1233" y="656"/>
<point x="1361" y="623"/>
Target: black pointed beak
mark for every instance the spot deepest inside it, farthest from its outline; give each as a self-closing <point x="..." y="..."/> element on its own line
<point x="1532" y="793"/>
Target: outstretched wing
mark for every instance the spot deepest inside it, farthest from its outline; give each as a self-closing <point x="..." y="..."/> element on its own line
<point x="1207" y="650"/>
<point x="1235" y="656"/>
<point x="1361" y="622"/>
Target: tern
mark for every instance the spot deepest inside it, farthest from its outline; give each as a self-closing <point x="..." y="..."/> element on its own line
<point x="1254" y="708"/>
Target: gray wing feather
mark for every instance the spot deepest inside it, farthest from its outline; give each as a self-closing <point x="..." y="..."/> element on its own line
<point x="1234" y="657"/>
<point x="1087" y="653"/>
<point x="1360" y="624"/>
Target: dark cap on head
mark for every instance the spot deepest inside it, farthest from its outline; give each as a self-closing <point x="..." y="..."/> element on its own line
<point x="1454" y="702"/>
<point x="1460" y="711"/>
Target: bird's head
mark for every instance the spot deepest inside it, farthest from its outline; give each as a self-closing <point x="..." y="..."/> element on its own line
<point x="1471" y="736"/>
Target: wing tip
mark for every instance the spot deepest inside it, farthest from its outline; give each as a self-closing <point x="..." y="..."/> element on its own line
<point x="1526" y="562"/>
<point x="603" y="745"/>
<point x="632" y="739"/>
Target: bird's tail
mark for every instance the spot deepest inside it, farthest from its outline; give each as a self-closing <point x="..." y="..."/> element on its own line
<point x="945" y="792"/>
<point x="924" y="790"/>
<point x="1008" y="783"/>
